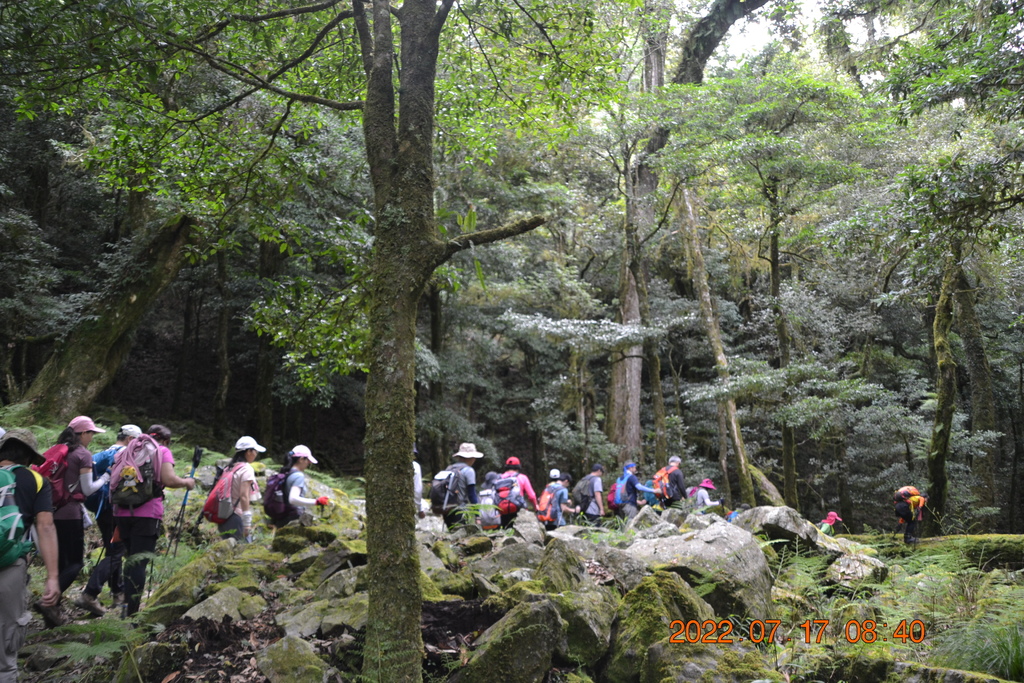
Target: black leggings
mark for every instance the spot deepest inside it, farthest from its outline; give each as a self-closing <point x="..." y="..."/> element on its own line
<point x="70" y="550"/>
<point x="108" y="571"/>
<point x="139" y="535"/>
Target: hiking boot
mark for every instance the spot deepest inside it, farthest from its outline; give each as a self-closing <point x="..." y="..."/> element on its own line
<point x="90" y="604"/>
<point x="116" y="600"/>
<point x="51" y="615"/>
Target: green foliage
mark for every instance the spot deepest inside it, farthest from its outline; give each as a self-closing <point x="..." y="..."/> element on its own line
<point x="992" y="647"/>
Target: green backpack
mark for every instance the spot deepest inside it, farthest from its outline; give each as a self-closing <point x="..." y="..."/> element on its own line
<point x="14" y="541"/>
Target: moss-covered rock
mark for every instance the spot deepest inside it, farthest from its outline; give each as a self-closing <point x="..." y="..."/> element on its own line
<point x="341" y="554"/>
<point x="461" y="583"/>
<point x="254" y="558"/>
<point x="303" y="620"/>
<point x="644" y="618"/>
<point x="514" y="556"/>
<point x="302" y="560"/>
<point x="561" y="569"/>
<point x="519" y="648"/>
<point x="340" y="585"/>
<point x="696" y="663"/>
<point x="292" y="660"/>
<point x="444" y="551"/>
<point x="347" y="615"/>
<point x="476" y="545"/>
<point x="175" y="596"/>
<point x="223" y="603"/>
<point x="524" y="591"/>
<point x="247" y="584"/>
<point x="589" y="615"/>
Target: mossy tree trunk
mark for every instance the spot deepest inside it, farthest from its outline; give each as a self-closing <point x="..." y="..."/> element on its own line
<point x="398" y="127"/>
<point x="84" y="362"/>
<point x="783" y="341"/>
<point x="983" y="403"/>
<point x="709" y="317"/>
<point x="945" y="389"/>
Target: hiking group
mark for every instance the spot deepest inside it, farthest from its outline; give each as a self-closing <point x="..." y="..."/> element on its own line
<point x="455" y="496"/>
<point x="47" y="500"/>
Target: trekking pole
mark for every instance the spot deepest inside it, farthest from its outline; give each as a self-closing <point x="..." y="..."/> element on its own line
<point x="197" y="455"/>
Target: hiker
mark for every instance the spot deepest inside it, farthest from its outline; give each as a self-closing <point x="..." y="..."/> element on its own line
<point x="587" y="495"/>
<point x="295" y="490"/>
<point x="827" y="525"/>
<point x="108" y="570"/>
<point x="68" y="517"/>
<point x="454" y="488"/>
<point x="909" y="506"/>
<point x="417" y="484"/>
<point x="139" y="526"/>
<point x="554" y="505"/>
<point x="489" y="518"/>
<point x="668" y="484"/>
<point x="244" y="490"/>
<point x="731" y="517"/>
<point x="31" y="496"/>
<point x="700" y="492"/>
<point x="629" y="505"/>
<point x="527" y="497"/>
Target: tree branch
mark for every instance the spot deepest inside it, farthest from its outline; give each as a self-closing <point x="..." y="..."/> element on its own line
<point x="482" y="237"/>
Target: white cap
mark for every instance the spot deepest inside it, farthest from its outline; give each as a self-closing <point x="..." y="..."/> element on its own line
<point x="247" y="442"/>
<point x="131" y="431"/>
<point x="554" y="474"/>
<point x="303" y="452"/>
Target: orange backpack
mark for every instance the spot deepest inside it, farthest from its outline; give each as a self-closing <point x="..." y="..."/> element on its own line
<point x="546" y="505"/>
<point x="662" y="486"/>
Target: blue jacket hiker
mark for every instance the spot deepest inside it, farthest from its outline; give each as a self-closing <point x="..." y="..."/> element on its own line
<point x="630" y="507"/>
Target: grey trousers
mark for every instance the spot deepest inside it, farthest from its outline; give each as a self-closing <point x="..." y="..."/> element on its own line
<point x="14" y="617"/>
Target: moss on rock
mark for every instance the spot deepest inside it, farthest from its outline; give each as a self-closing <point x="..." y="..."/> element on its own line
<point x="589" y="615"/>
<point x="524" y="591"/>
<point x="446" y="553"/>
<point x="292" y="660"/>
<point x="175" y="596"/>
<point x="518" y="648"/>
<point x="561" y="569"/>
<point x="341" y="554"/>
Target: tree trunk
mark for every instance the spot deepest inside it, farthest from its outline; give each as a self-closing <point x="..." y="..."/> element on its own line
<point x="945" y="390"/>
<point x="983" y="403"/>
<point x="708" y="316"/>
<point x="782" y="337"/>
<point x="407" y="247"/>
<point x="83" y="363"/>
<point x="220" y="398"/>
<point x="723" y="452"/>
<point x="624" y="394"/>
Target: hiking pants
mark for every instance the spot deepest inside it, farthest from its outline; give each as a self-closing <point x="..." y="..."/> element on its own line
<point x="629" y="510"/>
<point x="14" y="617"/>
<point x="139" y="535"/>
<point x="232" y="528"/>
<point x="70" y="550"/>
<point x="108" y="571"/>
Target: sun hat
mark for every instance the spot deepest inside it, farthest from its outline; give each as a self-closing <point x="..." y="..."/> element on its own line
<point x="554" y="474"/>
<point x="468" y="450"/>
<point x="130" y="430"/>
<point x="26" y="437"/>
<point x="84" y="424"/>
<point x="247" y="442"/>
<point x="512" y="461"/>
<point x="832" y="517"/>
<point x="302" y="452"/>
<point x="707" y="483"/>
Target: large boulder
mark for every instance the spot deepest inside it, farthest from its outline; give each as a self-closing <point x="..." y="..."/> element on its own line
<point x="343" y="584"/>
<point x="519" y="648"/>
<point x="174" y="596"/>
<point x="627" y="570"/>
<point x="647" y="517"/>
<point x="325" y="617"/>
<point x="514" y="556"/>
<point x="723" y="557"/>
<point x="561" y="569"/>
<point x="644" y="618"/>
<point x="589" y="614"/>
<point x="779" y="524"/>
<point x="857" y="569"/>
<point x="527" y="527"/>
<point x="292" y="660"/>
<point x="228" y="602"/>
<point x="695" y="663"/>
<point x="341" y="554"/>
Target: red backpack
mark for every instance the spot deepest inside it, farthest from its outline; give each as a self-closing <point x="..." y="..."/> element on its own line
<point x="219" y="505"/>
<point x="55" y="468"/>
<point x="546" y="505"/>
<point x="507" y="495"/>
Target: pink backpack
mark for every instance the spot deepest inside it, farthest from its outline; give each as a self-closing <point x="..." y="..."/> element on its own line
<point x="135" y="476"/>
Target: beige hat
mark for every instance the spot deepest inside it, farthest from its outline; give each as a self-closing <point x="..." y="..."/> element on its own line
<point x="26" y="437"/>
<point x="468" y="450"/>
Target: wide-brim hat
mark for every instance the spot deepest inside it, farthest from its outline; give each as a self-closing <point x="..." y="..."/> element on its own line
<point x="26" y="437"/>
<point x="707" y="483"/>
<point x="468" y="450"/>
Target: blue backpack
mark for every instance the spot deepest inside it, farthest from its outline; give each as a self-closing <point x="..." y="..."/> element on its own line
<point x="101" y="462"/>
